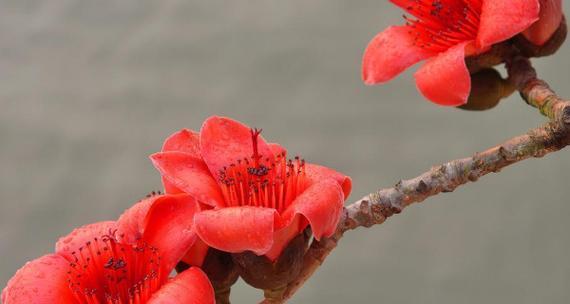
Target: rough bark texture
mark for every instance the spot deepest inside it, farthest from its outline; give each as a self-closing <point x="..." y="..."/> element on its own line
<point x="376" y="207"/>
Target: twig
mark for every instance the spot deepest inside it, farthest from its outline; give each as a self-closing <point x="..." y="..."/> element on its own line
<point x="537" y="93"/>
<point x="376" y="207"/>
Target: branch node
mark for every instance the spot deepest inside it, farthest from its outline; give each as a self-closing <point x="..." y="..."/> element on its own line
<point x="377" y="215"/>
<point x="503" y="153"/>
<point x="398" y="185"/>
<point x="565" y="116"/>
<point x="422" y="187"/>
<point x="473" y="177"/>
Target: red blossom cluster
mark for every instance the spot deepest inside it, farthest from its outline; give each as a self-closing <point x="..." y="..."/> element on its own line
<point x="234" y="201"/>
<point x="225" y="188"/>
<point x="444" y="32"/>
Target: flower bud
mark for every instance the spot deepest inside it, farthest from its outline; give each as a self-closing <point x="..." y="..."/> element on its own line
<point x="488" y="59"/>
<point x="487" y="89"/>
<point x="260" y="272"/>
<point x="221" y="270"/>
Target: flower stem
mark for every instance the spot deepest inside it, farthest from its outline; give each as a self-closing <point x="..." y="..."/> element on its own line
<point x="274" y="296"/>
<point x="223" y="295"/>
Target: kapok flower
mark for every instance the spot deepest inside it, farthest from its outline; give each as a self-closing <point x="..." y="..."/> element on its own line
<point x="444" y="32"/>
<point x="127" y="261"/>
<point x="260" y="200"/>
<point x="550" y="17"/>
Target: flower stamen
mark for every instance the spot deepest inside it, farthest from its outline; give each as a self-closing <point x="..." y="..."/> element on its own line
<point x="106" y="271"/>
<point x="440" y="24"/>
<point x="262" y="182"/>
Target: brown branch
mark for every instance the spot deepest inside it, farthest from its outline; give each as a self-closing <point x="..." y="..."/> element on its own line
<point x="376" y="207"/>
<point x="537" y="93"/>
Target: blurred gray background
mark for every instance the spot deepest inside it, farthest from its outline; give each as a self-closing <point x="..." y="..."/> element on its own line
<point x="88" y="89"/>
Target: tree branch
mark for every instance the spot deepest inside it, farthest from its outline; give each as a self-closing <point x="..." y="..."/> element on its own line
<point x="537" y="93"/>
<point x="376" y="207"/>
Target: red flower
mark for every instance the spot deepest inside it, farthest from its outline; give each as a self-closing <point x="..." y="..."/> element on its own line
<point x="259" y="200"/>
<point x="444" y="32"/>
<point x="550" y="17"/>
<point x="127" y="261"/>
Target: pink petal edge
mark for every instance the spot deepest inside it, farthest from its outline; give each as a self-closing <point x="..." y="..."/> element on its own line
<point x="549" y="21"/>
<point x="445" y="79"/>
<point x="41" y="281"/>
<point x="185" y="140"/>
<point x="224" y="141"/>
<point x="80" y="236"/>
<point x="389" y="54"/>
<point x="317" y="173"/>
<point x="277" y="149"/>
<point x="189" y="287"/>
<point x="237" y="229"/>
<point x="189" y="174"/>
<point x="168" y="226"/>
<point x="501" y="20"/>
<point x="130" y="225"/>
<point x="321" y="204"/>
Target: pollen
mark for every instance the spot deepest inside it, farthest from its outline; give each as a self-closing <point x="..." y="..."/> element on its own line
<point x="263" y="182"/>
<point x="106" y="271"/>
<point x="437" y="25"/>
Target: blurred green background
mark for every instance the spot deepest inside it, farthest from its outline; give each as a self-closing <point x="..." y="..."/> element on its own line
<point x="88" y="89"/>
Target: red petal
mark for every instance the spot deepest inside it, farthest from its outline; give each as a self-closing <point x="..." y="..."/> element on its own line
<point x="130" y="225"/>
<point x="321" y="204"/>
<point x="41" y="281"/>
<point x="189" y="174"/>
<point x="316" y="174"/>
<point x="282" y="237"/>
<point x="501" y="20"/>
<point x="445" y="79"/>
<point x="197" y="253"/>
<point x="185" y="140"/>
<point x="168" y="227"/>
<point x="550" y="17"/>
<point x="389" y="53"/>
<point x="189" y="287"/>
<point x="237" y="229"/>
<point x="224" y="141"/>
<point x="80" y="236"/>
<point x="169" y="188"/>
<point x="277" y="149"/>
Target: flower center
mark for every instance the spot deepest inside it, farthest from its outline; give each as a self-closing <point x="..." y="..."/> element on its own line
<point x="106" y="271"/>
<point x="271" y="183"/>
<point x="441" y="24"/>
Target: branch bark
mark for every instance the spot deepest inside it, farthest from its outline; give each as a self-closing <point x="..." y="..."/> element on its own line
<point x="376" y="207"/>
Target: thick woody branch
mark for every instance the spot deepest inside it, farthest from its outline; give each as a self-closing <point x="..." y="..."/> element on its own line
<point x="376" y="207"/>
